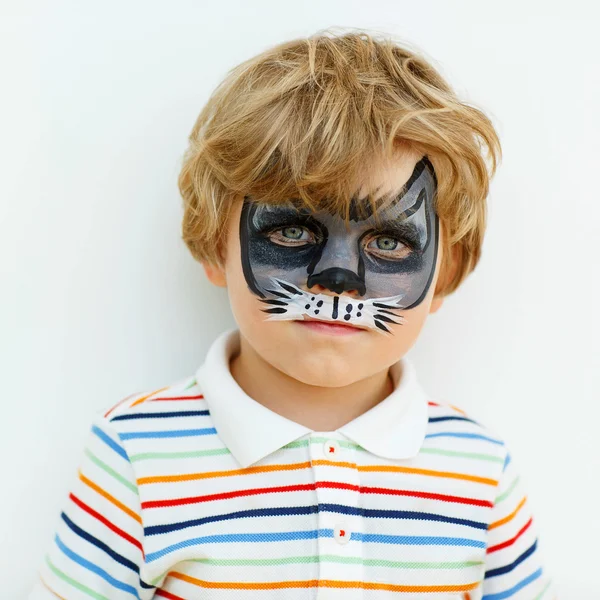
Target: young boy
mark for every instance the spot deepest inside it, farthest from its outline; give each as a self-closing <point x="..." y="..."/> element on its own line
<point x="336" y="187"/>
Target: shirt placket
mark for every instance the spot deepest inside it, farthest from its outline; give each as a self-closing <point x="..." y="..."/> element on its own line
<point x="339" y="520"/>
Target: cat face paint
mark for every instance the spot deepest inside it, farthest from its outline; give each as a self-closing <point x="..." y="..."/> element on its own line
<point x="389" y="265"/>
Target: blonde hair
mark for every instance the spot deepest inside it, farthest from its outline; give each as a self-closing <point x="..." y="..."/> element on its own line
<point x="303" y="118"/>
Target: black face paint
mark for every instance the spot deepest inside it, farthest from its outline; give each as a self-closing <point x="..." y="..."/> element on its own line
<point x="386" y="265"/>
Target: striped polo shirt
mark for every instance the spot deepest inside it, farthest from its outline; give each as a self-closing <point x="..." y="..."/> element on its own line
<point x="196" y="491"/>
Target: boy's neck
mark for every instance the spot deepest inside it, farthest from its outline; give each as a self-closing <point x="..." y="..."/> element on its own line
<point x="319" y="408"/>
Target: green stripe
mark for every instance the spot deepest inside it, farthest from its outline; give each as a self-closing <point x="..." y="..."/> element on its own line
<point x="303" y="444"/>
<point x="542" y="592"/>
<point x="508" y="492"/>
<point x="195" y="454"/>
<point x="374" y="562"/>
<point x="352" y="446"/>
<point x="111" y="472"/>
<point x="191" y="384"/>
<point x="475" y="455"/>
<point x="322" y="440"/>
<point x="75" y="584"/>
<point x="267" y="562"/>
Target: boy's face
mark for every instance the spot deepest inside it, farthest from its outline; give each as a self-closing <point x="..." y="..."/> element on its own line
<point x="329" y="305"/>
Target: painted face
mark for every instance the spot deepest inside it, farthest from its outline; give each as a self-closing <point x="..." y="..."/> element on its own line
<point x="387" y="264"/>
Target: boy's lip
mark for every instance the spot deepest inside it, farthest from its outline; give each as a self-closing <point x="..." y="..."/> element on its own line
<point x="327" y="322"/>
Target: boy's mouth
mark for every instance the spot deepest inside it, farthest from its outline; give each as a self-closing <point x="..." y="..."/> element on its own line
<point x="329" y="327"/>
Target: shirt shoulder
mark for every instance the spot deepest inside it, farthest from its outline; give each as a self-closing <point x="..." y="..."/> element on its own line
<point x="179" y="395"/>
<point x="460" y="423"/>
<point x="163" y="416"/>
<point x="457" y="434"/>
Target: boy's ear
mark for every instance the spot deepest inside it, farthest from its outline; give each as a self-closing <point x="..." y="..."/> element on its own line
<point x="436" y="303"/>
<point x="215" y="274"/>
<point x="438" y="299"/>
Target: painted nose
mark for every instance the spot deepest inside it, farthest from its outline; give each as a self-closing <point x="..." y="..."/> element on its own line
<point x="338" y="280"/>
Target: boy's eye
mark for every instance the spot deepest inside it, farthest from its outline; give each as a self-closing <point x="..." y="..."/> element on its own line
<point x="386" y="243"/>
<point x="291" y="236"/>
<point x="385" y="246"/>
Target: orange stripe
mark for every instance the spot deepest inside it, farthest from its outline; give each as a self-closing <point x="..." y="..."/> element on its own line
<point x="429" y="472"/>
<point x="307" y="464"/>
<point x="328" y="583"/>
<point x="462" y="412"/>
<point x="49" y="588"/>
<point x="110" y="498"/>
<point x="144" y="398"/>
<point x="509" y="517"/>
<point x="118" y="404"/>
<point x="231" y="473"/>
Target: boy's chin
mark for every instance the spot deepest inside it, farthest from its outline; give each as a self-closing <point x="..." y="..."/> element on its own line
<point x="323" y="359"/>
<point x="327" y="379"/>
<point x="326" y="372"/>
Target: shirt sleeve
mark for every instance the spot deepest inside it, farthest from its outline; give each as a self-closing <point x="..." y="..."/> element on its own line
<point x="514" y="562"/>
<point x="97" y="550"/>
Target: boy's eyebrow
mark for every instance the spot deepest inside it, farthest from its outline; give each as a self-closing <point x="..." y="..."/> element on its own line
<point x="296" y="208"/>
<point x="401" y="229"/>
<point x="277" y="215"/>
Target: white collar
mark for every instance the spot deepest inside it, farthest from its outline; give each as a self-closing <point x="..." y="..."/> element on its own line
<point x="395" y="428"/>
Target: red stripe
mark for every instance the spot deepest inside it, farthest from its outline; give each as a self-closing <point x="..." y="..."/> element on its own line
<point x="226" y="495"/>
<point x="429" y="496"/>
<point x="309" y="487"/>
<point x="511" y="541"/>
<point x="118" y="404"/>
<point x="166" y="594"/>
<point x="106" y="522"/>
<point x="198" y="397"/>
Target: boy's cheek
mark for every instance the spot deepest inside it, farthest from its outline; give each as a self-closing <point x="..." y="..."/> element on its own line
<point x="316" y="358"/>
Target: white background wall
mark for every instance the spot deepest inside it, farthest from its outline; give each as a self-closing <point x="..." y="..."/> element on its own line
<point x="100" y="297"/>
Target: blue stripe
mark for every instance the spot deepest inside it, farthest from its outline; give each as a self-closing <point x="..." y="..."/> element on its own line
<point x="513" y="590"/>
<point x="452" y="418"/>
<point x="312" y="534"/>
<point x="472" y="436"/>
<point x="417" y="540"/>
<point x="159" y="415"/>
<point x="95" y="569"/>
<point x="167" y="434"/>
<point x="313" y="509"/>
<point x="401" y="514"/>
<point x="257" y="512"/>
<point x="237" y="537"/>
<point x="515" y="563"/>
<point x="96" y="542"/>
<point x="110" y="442"/>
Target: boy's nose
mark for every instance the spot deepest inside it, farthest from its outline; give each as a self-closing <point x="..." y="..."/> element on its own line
<point x="338" y="281"/>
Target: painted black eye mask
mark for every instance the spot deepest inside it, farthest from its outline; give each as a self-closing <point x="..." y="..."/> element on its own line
<point x="385" y="266"/>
